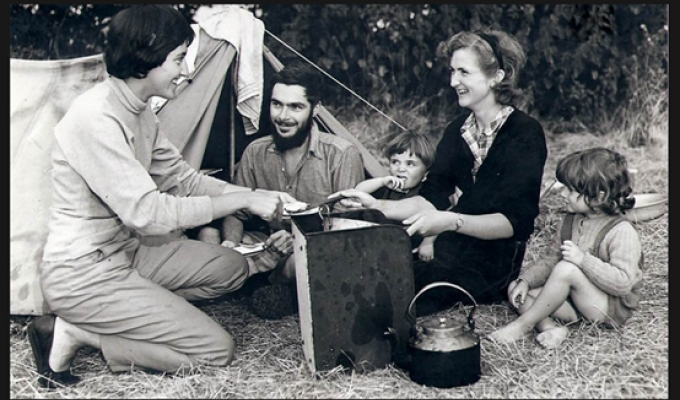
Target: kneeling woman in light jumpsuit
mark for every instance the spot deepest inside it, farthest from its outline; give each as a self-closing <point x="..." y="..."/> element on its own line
<point x="116" y="179"/>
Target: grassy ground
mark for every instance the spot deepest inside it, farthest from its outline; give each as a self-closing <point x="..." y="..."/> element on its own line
<point x="593" y="363"/>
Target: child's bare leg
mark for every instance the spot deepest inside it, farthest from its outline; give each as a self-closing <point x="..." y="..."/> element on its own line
<point x="565" y="279"/>
<point x="543" y="325"/>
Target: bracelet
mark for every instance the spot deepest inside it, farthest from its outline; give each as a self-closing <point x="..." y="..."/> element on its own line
<point x="518" y="280"/>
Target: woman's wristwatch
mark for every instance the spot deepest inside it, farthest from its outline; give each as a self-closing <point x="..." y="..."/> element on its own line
<point x="459" y="223"/>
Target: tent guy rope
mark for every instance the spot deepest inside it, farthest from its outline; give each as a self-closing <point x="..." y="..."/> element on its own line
<point x="335" y="80"/>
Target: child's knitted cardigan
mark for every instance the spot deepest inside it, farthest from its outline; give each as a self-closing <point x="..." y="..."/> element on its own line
<point x="615" y="270"/>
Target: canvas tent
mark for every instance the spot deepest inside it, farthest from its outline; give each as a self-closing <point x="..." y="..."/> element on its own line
<point x="209" y="121"/>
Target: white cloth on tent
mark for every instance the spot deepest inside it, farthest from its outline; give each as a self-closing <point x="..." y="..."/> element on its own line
<point x="40" y="94"/>
<point x="192" y="50"/>
<point x="246" y="33"/>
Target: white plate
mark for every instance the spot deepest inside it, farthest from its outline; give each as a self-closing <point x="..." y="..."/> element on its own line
<point x="314" y="210"/>
<point x="249" y="249"/>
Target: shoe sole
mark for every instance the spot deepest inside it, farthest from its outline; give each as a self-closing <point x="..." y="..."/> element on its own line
<point x="41" y="364"/>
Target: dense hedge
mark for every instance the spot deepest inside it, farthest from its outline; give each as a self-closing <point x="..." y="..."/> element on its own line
<point x="586" y="62"/>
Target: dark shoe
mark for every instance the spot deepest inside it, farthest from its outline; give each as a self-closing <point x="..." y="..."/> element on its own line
<point x="40" y="334"/>
<point x="254" y="283"/>
<point x="274" y="301"/>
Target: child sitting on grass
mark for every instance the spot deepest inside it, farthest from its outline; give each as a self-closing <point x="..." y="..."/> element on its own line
<point x="410" y="156"/>
<point x="579" y="280"/>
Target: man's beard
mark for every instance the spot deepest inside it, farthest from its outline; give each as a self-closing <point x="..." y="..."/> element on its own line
<point x="286" y="143"/>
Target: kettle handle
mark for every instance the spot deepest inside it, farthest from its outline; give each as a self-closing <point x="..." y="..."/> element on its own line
<point x="412" y="319"/>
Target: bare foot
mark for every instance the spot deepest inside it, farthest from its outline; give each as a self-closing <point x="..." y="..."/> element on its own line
<point x="552" y="337"/>
<point x="510" y="333"/>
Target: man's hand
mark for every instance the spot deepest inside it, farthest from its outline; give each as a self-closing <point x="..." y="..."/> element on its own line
<point x="280" y="242"/>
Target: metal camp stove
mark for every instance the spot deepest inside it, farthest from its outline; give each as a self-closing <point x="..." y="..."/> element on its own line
<point x="354" y="281"/>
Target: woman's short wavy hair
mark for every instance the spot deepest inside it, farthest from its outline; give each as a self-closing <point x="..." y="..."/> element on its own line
<point x="601" y="176"/>
<point x="511" y="52"/>
<point x="140" y="38"/>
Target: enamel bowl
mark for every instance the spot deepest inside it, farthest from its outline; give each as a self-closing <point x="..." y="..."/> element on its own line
<point x="647" y="206"/>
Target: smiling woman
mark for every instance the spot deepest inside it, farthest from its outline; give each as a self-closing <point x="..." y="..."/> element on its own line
<point x="156" y="52"/>
<point x="116" y="179"/>
<point x="490" y="162"/>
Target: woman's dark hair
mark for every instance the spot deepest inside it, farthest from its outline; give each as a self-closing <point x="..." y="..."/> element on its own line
<point x="140" y="37"/>
<point x="495" y="50"/>
<point x="601" y="176"/>
<point x="415" y="143"/>
<point x="300" y="73"/>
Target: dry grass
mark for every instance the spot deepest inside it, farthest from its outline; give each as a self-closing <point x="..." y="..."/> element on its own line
<point x="592" y="363"/>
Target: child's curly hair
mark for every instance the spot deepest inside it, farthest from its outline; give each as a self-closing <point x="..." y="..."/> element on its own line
<point x="601" y="176"/>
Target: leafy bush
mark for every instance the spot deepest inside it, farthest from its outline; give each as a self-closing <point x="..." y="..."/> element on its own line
<point x="587" y="64"/>
<point x="595" y="67"/>
<point x="61" y="31"/>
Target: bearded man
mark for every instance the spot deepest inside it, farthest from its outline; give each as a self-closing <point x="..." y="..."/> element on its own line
<point x="297" y="159"/>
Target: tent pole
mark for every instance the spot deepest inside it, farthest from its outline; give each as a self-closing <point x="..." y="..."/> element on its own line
<point x="232" y="137"/>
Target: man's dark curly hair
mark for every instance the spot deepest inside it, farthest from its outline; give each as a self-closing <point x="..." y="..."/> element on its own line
<point x="300" y="73"/>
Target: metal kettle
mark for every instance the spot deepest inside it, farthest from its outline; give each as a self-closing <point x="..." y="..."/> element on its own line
<point x="443" y="352"/>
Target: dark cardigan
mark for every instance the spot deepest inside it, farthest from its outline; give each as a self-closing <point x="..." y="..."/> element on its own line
<point x="509" y="180"/>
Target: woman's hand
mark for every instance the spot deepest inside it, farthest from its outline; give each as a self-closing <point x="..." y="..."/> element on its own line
<point x="429" y="223"/>
<point x="356" y="199"/>
<point x="517" y="292"/>
<point x="267" y="205"/>
<point x="285" y="197"/>
<point x="571" y="252"/>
